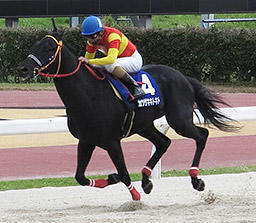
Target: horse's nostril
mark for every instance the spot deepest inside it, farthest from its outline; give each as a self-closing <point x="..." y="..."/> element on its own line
<point x="22" y="69"/>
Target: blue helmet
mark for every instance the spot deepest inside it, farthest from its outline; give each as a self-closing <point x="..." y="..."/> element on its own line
<point x="92" y="25"/>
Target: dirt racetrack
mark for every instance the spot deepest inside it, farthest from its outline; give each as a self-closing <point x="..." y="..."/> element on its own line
<point x="227" y="198"/>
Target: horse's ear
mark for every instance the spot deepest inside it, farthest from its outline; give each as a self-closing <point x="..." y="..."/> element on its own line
<point x="57" y="33"/>
<point x="55" y="30"/>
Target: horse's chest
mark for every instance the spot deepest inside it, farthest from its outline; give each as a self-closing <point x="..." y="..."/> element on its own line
<point x="95" y="124"/>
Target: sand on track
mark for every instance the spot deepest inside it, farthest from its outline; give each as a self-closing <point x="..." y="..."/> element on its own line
<point x="227" y="198"/>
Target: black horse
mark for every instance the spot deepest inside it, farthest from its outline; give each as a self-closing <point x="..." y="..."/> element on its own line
<point x="96" y="115"/>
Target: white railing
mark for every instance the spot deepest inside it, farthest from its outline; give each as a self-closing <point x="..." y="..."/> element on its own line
<point x="30" y="126"/>
<point x="59" y="124"/>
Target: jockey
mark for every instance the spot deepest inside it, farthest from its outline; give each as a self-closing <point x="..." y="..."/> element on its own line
<point x="121" y="55"/>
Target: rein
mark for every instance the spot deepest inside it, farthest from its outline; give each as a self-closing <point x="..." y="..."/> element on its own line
<point x="53" y="58"/>
<point x="61" y="75"/>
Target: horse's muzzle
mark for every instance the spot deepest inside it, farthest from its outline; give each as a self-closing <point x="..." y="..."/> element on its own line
<point x="27" y="72"/>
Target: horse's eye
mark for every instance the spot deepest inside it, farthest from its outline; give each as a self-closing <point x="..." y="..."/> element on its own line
<point x="47" y="48"/>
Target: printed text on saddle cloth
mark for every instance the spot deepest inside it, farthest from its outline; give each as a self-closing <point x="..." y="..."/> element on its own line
<point x="152" y="96"/>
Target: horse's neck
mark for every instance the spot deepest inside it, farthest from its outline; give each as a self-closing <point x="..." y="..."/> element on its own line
<point x="68" y="61"/>
<point x="81" y="86"/>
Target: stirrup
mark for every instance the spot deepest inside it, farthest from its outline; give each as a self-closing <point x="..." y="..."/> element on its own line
<point x="140" y="93"/>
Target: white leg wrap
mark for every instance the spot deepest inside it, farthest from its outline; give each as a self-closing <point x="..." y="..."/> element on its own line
<point x="194" y="168"/>
<point x="148" y="169"/>
<point x="92" y="183"/>
<point x="130" y="187"/>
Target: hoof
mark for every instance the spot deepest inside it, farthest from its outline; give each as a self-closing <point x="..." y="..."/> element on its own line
<point x="198" y="184"/>
<point x="147" y="187"/>
<point x="113" y="178"/>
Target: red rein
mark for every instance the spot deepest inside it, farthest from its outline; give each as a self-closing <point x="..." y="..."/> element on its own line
<point x="70" y="74"/>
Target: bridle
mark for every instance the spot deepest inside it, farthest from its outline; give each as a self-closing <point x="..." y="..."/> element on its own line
<point x="37" y="71"/>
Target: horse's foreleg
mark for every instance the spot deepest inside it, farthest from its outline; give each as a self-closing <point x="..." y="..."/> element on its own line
<point x="84" y="154"/>
<point x="161" y="143"/>
<point x="116" y="155"/>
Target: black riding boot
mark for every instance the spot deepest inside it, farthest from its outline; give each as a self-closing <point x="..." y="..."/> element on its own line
<point x="132" y="86"/>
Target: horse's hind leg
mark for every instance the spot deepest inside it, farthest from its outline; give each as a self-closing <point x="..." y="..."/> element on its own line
<point x="186" y="128"/>
<point x="198" y="184"/>
<point x="84" y="153"/>
<point x="161" y="143"/>
<point x="116" y="154"/>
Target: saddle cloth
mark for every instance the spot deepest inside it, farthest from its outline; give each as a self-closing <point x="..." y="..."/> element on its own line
<point x="152" y="95"/>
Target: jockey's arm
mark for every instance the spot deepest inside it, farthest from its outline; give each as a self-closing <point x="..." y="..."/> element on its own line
<point x="109" y="59"/>
<point x="89" y="55"/>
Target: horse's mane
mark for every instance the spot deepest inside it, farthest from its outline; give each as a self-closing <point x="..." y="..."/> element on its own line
<point x="71" y="48"/>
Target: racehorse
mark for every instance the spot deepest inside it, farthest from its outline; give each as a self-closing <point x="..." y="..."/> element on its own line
<point x="95" y="114"/>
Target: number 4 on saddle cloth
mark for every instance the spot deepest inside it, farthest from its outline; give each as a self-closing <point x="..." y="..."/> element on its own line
<point x="152" y="95"/>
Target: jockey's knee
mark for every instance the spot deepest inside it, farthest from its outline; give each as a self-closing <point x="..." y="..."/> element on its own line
<point x="110" y="67"/>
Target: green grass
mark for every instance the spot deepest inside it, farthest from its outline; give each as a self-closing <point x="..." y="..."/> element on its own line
<point x="178" y="21"/>
<point x="70" y="181"/>
<point x="249" y="25"/>
<point x="42" y="23"/>
<point x="212" y="171"/>
<point x="158" y="21"/>
<point x="27" y="86"/>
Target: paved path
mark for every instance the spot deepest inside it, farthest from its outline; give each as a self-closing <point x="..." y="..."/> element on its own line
<point x="29" y="99"/>
<point x="56" y="161"/>
<point x="50" y="160"/>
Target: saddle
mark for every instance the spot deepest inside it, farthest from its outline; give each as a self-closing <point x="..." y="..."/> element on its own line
<point x="151" y="98"/>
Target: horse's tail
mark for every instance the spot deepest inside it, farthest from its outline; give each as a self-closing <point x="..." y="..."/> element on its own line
<point x="206" y="101"/>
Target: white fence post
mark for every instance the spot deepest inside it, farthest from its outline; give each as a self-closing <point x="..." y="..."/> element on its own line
<point x="207" y="16"/>
<point x="12" y="22"/>
<point x="74" y="21"/>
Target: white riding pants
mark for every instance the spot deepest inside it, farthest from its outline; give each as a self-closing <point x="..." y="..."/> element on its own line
<point x="130" y="64"/>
